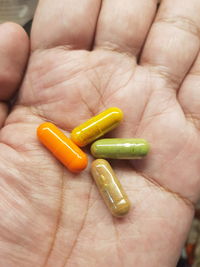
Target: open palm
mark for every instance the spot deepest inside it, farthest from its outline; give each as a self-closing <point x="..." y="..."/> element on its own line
<point x="83" y="61"/>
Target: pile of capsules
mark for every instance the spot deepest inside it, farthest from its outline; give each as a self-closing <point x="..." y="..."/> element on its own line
<point x="67" y="150"/>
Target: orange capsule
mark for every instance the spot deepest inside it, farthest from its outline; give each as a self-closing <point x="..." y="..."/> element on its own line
<point x="62" y="147"/>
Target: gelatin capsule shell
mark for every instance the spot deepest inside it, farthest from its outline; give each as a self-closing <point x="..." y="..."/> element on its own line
<point x="120" y="148"/>
<point x="110" y="188"/>
<point x="68" y="153"/>
<point x="97" y="126"/>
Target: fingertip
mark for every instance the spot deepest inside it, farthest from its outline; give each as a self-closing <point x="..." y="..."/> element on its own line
<point x="13" y="30"/>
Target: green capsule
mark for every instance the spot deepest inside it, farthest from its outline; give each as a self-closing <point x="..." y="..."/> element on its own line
<point x="120" y="148"/>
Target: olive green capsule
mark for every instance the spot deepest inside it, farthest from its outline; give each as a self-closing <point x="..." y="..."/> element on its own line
<point x="120" y="148"/>
<point x="110" y="188"/>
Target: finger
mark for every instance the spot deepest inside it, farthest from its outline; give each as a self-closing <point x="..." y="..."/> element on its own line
<point x="3" y="113"/>
<point x="189" y="94"/>
<point x="66" y="22"/>
<point x="14" y="49"/>
<point x="123" y="25"/>
<point x="173" y="41"/>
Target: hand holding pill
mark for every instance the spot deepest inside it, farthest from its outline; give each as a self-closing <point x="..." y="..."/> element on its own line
<point x="87" y="56"/>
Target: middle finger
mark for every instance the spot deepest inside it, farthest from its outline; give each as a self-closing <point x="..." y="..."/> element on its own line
<point x="123" y="25"/>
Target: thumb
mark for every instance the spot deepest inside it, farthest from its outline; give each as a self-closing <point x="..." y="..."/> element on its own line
<point x="14" y="50"/>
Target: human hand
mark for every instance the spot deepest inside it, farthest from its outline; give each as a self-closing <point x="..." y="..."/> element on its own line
<point x="80" y="65"/>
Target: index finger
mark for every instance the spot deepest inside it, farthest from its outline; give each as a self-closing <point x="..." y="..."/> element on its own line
<point x="70" y="23"/>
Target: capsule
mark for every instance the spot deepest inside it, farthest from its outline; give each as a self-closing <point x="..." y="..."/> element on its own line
<point x="96" y="126"/>
<point x="62" y="147"/>
<point x="120" y="148"/>
<point x="110" y="188"/>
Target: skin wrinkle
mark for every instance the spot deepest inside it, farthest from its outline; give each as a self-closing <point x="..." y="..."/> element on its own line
<point x="161" y="112"/>
<point x="24" y="196"/>
<point x="176" y="195"/>
<point x="94" y="86"/>
<point x="142" y="115"/>
<point x="175" y="156"/>
<point x="182" y="23"/>
<point x="21" y="191"/>
<point x="80" y="230"/>
<point x="100" y="86"/>
<point x="59" y="216"/>
<point x="194" y="73"/>
<point x="120" y="258"/>
<point x="171" y="80"/>
<point x="111" y="47"/>
<point x="10" y="145"/>
<point x="121" y="87"/>
<point x="73" y="73"/>
<point x="194" y="119"/>
<point x="34" y="113"/>
<point x="148" y="119"/>
<point x="73" y="76"/>
<point x="62" y="81"/>
<point x="106" y="85"/>
<point x="65" y="47"/>
<point x="93" y="113"/>
<point x="113" y="74"/>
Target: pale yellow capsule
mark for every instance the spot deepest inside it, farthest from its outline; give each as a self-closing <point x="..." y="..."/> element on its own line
<point x="96" y="126"/>
<point x="110" y="188"/>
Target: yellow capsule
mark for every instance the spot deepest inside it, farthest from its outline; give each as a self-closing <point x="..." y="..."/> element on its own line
<point x="110" y="188"/>
<point x="96" y="126"/>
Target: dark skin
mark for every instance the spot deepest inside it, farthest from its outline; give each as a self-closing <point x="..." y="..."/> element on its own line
<point x="87" y="56"/>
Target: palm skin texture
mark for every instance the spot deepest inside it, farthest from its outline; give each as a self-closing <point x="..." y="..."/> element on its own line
<point x="85" y="57"/>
